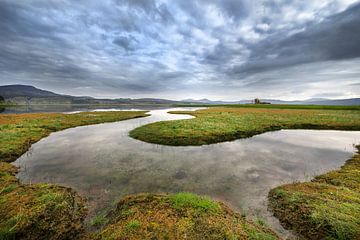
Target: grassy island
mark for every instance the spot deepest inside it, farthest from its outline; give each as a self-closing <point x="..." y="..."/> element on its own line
<point x="219" y="124"/>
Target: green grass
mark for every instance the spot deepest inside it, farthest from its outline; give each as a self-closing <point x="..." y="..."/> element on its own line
<point x="189" y="200"/>
<point x="277" y="106"/>
<point x="19" y="131"/>
<point x="98" y="220"/>
<point x="225" y="124"/>
<point x="133" y="225"/>
<point x="254" y="234"/>
<point x="326" y="208"/>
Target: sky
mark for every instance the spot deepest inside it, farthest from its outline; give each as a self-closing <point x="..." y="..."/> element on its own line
<point x="180" y="49"/>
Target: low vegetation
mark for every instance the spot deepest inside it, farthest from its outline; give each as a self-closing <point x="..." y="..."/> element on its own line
<point x="178" y="216"/>
<point x="274" y="106"/>
<point x="214" y="125"/>
<point x="326" y="208"/>
<point x="39" y="211"/>
<point x="19" y="131"/>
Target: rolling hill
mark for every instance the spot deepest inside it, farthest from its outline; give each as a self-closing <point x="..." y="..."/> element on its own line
<point x="27" y="95"/>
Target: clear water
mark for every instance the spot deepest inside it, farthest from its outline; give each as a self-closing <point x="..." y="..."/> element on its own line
<point x="102" y="163"/>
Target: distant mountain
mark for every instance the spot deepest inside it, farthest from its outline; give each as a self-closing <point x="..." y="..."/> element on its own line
<point x="24" y="94"/>
<point x="207" y="101"/>
<point x="11" y="91"/>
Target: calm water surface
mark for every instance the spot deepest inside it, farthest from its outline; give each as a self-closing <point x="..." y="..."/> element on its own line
<point x="67" y="108"/>
<point x="102" y="163"/>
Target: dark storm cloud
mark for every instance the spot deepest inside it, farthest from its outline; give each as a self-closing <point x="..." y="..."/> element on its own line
<point x="336" y="38"/>
<point x="126" y="43"/>
<point x="181" y="49"/>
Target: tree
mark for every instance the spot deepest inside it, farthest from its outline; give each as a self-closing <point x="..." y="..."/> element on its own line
<point x="257" y="101"/>
<point x="2" y="99"/>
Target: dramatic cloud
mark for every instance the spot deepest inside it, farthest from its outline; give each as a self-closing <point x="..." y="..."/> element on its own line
<point x="220" y="49"/>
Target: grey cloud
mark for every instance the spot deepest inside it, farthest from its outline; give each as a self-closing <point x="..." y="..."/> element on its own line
<point x="127" y="43"/>
<point x="335" y="38"/>
<point x="157" y="48"/>
<point x="146" y="5"/>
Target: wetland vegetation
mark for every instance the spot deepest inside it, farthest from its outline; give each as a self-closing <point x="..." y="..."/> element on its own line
<point x="327" y="207"/>
<point x="277" y="106"/>
<point x="38" y="211"/>
<point x="221" y="124"/>
<point x="179" y="216"/>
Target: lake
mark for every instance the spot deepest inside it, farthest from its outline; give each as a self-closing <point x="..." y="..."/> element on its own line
<point x="102" y="163"/>
<point x="68" y="108"/>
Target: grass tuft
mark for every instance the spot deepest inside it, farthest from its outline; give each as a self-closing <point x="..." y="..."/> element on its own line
<point x="189" y="200"/>
<point x="98" y="220"/>
<point x="133" y="225"/>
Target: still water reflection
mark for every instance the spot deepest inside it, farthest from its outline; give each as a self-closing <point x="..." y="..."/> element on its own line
<point x="67" y="108"/>
<point x="103" y="163"/>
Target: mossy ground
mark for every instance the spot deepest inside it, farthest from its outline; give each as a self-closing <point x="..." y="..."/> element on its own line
<point x="326" y="208"/>
<point x="178" y="216"/>
<point x="214" y="125"/>
<point x="39" y="211"/>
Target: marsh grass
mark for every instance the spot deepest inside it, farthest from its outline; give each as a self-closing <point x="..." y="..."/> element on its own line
<point x="214" y="125"/>
<point x="133" y="225"/>
<point x="178" y="216"/>
<point x="274" y="106"/>
<point x="201" y="204"/>
<point x="37" y="211"/>
<point x="99" y="220"/>
<point x="326" y="208"/>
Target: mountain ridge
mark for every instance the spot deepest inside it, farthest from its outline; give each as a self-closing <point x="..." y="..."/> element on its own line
<point x="27" y="94"/>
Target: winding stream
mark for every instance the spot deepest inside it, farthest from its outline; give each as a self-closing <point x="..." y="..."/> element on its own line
<point x="102" y="163"/>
